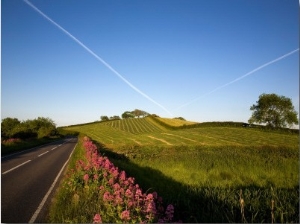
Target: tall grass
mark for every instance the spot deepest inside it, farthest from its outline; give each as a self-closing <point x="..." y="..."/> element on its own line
<point x="204" y="183"/>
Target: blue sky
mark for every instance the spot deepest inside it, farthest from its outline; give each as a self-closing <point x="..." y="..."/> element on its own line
<point x="172" y="51"/>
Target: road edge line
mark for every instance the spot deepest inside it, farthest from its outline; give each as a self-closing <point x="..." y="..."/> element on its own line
<point x="41" y="205"/>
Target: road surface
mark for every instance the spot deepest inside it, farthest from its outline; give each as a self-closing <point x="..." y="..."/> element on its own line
<point x="28" y="179"/>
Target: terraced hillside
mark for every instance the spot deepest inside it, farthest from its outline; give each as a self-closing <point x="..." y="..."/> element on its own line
<point x="136" y="126"/>
<point x="145" y="131"/>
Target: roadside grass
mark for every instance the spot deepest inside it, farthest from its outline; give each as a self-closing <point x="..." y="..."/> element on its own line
<point x="62" y="207"/>
<point x="210" y="174"/>
<point x="95" y="189"/>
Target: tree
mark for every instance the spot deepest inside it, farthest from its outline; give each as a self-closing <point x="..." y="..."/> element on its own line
<point x="43" y="127"/>
<point x="138" y="113"/>
<point x="276" y="111"/>
<point x="40" y="127"/>
<point x="127" y="114"/>
<point x="104" y="118"/>
<point x="7" y="126"/>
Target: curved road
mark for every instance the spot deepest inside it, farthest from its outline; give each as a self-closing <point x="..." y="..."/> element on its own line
<point x="28" y="179"/>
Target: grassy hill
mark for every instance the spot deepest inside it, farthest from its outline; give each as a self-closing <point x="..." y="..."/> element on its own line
<point x="205" y="169"/>
<point x="147" y="131"/>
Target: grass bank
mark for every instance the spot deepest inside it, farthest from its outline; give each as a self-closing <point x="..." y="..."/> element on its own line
<point x="95" y="189"/>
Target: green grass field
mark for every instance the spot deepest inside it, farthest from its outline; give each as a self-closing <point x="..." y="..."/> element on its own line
<point x="206" y="171"/>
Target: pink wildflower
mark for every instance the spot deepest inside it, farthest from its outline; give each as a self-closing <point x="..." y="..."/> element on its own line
<point x="149" y="197"/>
<point x="97" y="219"/>
<point x="128" y="193"/>
<point x="116" y="187"/>
<point x="122" y="175"/>
<point x="96" y="177"/>
<point x="131" y="180"/>
<point x="118" y="200"/>
<point x="130" y="204"/>
<point x="115" y="173"/>
<point x="107" y="196"/>
<point x="86" y="177"/>
<point x="138" y="194"/>
<point x="126" y="183"/>
<point x="105" y="174"/>
<point x="111" y="181"/>
<point x="125" y="215"/>
<point x="151" y="208"/>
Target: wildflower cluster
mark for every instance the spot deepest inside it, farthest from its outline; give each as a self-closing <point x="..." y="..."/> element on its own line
<point x="119" y="198"/>
<point x="11" y="141"/>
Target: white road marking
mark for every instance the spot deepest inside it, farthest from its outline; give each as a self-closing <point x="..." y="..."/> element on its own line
<point x="43" y="153"/>
<point x="38" y="210"/>
<point x="29" y="160"/>
<point x="16" y="167"/>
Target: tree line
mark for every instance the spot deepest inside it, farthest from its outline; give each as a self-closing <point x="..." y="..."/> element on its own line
<point x="127" y="114"/>
<point x="37" y="128"/>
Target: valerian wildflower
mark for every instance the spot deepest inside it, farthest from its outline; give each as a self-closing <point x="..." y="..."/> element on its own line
<point x="86" y="177"/>
<point x="125" y="215"/>
<point x="118" y="192"/>
<point x="97" y="219"/>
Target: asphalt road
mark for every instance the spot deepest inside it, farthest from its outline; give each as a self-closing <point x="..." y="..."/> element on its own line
<point x="28" y="177"/>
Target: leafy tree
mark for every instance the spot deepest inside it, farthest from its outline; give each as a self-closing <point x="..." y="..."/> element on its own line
<point x="127" y="114"/>
<point x="138" y="113"/>
<point x="7" y="126"/>
<point x="104" y="118"/>
<point x="276" y="111"/>
<point x="24" y="131"/>
<point x="40" y="127"/>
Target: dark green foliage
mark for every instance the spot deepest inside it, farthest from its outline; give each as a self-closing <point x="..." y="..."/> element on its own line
<point x="127" y="114"/>
<point x="7" y="126"/>
<point x="104" y="118"/>
<point x="40" y="127"/>
<point x="273" y="110"/>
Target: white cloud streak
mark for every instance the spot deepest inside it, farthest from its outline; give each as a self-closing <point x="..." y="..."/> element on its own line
<point x="96" y="56"/>
<point x="239" y="78"/>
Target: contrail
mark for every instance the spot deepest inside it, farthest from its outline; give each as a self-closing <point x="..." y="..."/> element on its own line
<point x="96" y="56"/>
<point x="239" y="78"/>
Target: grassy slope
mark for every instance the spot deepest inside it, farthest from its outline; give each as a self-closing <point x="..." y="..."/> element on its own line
<point x="210" y="164"/>
<point x="175" y="122"/>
